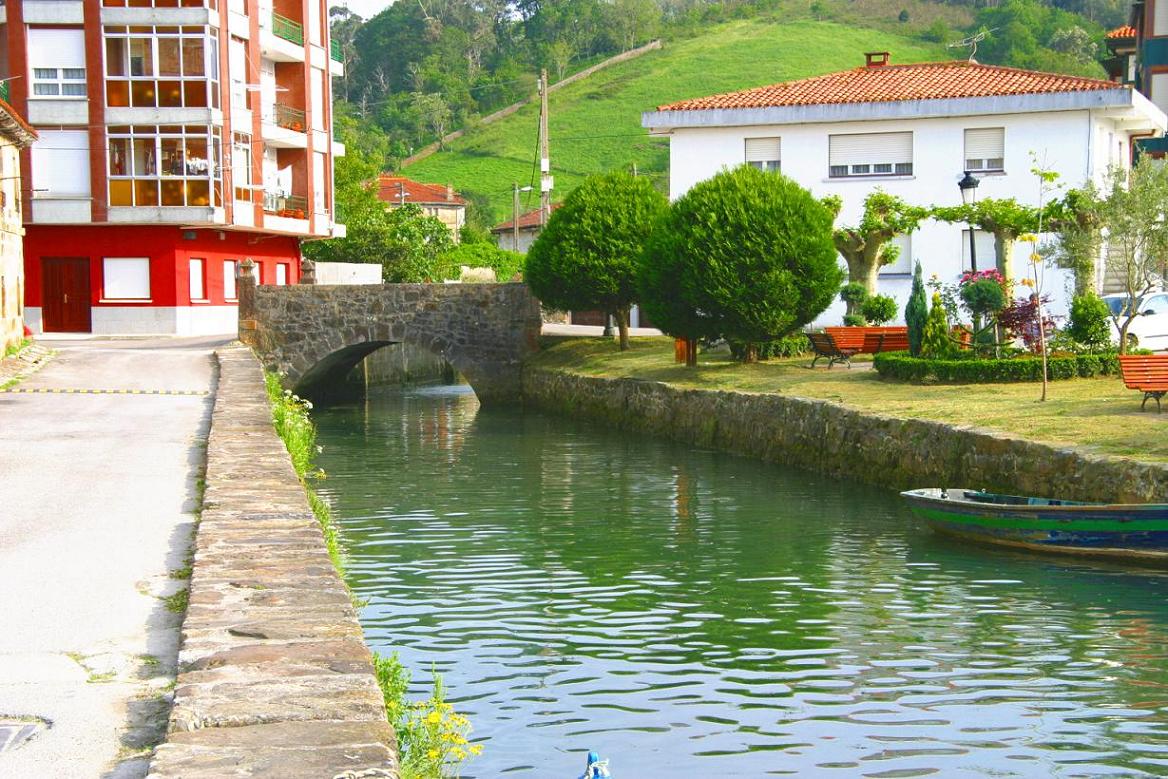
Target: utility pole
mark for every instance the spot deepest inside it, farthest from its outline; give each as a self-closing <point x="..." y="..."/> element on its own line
<point x="515" y="217"/>
<point x="545" y="165"/>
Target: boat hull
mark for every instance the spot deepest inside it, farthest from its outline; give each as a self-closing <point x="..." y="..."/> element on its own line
<point x="1118" y="531"/>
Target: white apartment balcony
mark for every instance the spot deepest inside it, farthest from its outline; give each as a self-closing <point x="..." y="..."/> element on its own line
<point x="336" y="59"/>
<point x="184" y="215"/>
<point x="283" y="128"/>
<point x="281" y="38"/>
<point x="61" y="209"/>
<point x="285" y="213"/>
<point x="54" y="12"/>
<point x="136" y="15"/>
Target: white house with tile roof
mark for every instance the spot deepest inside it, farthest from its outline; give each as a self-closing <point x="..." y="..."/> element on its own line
<point x="912" y="130"/>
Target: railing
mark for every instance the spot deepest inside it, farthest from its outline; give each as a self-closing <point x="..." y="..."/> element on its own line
<point x="4" y="91"/>
<point x="335" y="51"/>
<point x="283" y="27"/>
<point x="289" y="118"/>
<point x="290" y="206"/>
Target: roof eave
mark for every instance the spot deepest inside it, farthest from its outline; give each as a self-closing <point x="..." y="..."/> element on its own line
<point x="1094" y="99"/>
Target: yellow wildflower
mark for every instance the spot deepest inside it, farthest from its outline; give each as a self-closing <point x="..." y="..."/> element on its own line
<point x="433" y="718"/>
<point x="458" y="754"/>
<point x="1036" y="257"/>
<point x="476" y="749"/>
<point x="1026" y="282"/>
<point x="432" y="754"/>
<point x="1028" y="238"/>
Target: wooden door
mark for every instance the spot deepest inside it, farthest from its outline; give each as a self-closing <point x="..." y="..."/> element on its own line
<point x="65" y="294"/>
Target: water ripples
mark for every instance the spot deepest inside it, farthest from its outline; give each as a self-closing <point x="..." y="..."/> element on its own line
<point x="695" y="614"/>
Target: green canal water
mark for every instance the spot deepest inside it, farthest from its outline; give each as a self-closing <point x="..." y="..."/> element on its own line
<point x="694" y="614"/>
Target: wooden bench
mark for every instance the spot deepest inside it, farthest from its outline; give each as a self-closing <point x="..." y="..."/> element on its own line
<point x="1146" y="373"/>
<point x="824" y="345"/>
<point x="870" y="340"/>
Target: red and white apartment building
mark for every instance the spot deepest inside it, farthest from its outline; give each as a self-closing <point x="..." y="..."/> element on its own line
<point x="176" y="138"/>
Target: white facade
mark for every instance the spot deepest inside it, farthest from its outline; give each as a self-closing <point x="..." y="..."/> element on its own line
<point x="1079" y="143"/>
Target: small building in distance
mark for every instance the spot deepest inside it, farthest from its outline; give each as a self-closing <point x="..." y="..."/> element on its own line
<point x="437" y="200"/>
<point x="530" y="225"/>
<point x="15" y="135"/>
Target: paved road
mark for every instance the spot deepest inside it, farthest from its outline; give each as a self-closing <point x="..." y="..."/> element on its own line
<point x="96" y="500"/>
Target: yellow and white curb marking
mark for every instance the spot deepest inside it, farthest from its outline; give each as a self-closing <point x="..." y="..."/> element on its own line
<point x="66" y="391"/>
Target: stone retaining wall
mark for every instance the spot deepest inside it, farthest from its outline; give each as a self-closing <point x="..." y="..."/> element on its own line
<point x="274" y="678"/>
<point x="838" y="441"/>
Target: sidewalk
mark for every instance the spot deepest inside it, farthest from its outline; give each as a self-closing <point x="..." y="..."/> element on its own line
<point x="96" y="506"/>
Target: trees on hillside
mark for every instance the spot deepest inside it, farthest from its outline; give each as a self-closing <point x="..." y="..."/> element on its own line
<point x="745" y="255"/>
<point x="586" y="256"/>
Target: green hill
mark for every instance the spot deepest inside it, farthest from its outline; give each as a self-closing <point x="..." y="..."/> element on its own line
<point x="596" y="123"/>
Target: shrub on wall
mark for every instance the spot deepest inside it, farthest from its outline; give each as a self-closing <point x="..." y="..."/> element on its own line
<point x="970" y="370"/>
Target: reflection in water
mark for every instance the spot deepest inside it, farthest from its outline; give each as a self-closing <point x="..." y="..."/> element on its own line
<point x="689" y="613"/>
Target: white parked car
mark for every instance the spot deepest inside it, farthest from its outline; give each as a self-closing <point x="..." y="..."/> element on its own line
<point x="1149" y="330"/>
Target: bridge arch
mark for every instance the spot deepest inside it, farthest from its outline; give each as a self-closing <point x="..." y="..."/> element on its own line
<point x="314" y="335"/>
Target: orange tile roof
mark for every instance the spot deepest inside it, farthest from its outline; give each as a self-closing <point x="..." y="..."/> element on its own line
<point x="390" y="189"/>
<point x="892" y="83"/>
<point x="1127" y="31"/>
<point x="527" y="221"/>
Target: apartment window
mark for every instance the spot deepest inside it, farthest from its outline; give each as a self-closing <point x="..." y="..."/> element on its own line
<point x="164" y="165"/>
<point x="241" y="166"/>
<point x="984" y="244"/>
<point x="985" y="149"/>
<point x="125" y="278"/>
<point x="56" y="59"/>
<point x="198" y="278"/>
<point x="229" y="271"/>
<point x="870" y="154"/>
<point x="764" y="153"/>
<point x="259" y="273"/>
<point x="161" y="67"/>
<point x="902" y="266"/>
<point x="60" y="164"/>
<point x="281" y="274"/>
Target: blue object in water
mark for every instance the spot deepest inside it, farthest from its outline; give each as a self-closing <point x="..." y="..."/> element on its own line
<point x="596" y="768"/>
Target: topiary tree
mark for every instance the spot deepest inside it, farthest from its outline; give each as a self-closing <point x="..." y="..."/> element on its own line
<point x="879" y="309"/>
<point x="586" y="257"/>
<point x="853" y="294"/>
<point x="1089" y="323"/>
<point x="935" y="341"/>
<point x="916" y="312"/>
<point x="865" y="247"/>
<point x="745" y="255"/>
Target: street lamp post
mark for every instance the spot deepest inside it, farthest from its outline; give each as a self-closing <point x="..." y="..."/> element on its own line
<point x="515" y="190"/>
<point x="968" y="187"/>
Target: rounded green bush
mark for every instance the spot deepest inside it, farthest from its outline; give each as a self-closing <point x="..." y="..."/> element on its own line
<point x="879" y="309"/>
<point x="1090" y="322"/>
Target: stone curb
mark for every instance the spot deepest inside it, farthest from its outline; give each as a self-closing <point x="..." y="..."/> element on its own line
<point x="274" y="677"/>
<point x="835" y="440"/>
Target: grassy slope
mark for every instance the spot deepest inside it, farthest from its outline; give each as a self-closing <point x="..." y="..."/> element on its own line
<point x="1097" y="415"/>
<point x="596" y="123"/>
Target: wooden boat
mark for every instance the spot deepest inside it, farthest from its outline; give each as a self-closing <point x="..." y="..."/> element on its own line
<point x="1131" y="531"/>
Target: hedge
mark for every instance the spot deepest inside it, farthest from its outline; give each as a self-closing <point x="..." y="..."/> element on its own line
<point x="904" y="367"/>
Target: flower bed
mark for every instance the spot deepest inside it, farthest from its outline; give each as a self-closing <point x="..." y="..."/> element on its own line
<point x="901" y="366"/>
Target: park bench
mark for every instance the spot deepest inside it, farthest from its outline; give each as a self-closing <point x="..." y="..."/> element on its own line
<point x="1146" y="373"/>
<point x="824" y="345"/>
<point x="870" y="340"/>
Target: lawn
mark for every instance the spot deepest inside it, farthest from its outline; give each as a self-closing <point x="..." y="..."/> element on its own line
<point x="1095" y="415"/>
<point x="595" y="124"/>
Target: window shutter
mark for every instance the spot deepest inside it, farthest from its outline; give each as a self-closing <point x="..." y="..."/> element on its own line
<point x="60" y="164"/>
<point x="988" y="143"/>
<point x="985" y="245"/>
<point x="763" y="149"/>
<point x="870" y="149"/>
<point x="50" y="47"/>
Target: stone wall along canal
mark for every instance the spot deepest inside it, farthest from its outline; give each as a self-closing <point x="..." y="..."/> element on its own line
<point x="692" y="613"/>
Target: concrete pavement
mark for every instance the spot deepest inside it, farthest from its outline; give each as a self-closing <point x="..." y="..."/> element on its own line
<point x="97" y="494"/>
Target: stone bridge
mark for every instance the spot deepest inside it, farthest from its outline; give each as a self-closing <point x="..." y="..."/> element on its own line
<point x="314" y="335"/>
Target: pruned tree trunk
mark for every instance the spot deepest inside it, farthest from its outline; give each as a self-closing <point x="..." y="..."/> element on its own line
<point x="691" y="352"/>
<point x="622" y="324"/>
<point x="751" y="354"/>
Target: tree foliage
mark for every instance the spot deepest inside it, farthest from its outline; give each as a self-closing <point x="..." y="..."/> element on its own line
<point x="1006" y="218"/>
<point x="865" y="247"/>
<point x="916" y="312"/>
<point x="586" y="257"/>
<point x="744" y="255"/>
